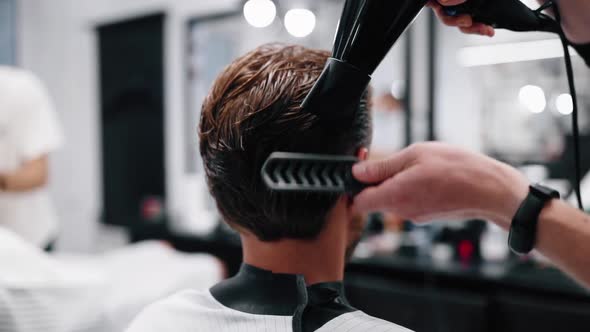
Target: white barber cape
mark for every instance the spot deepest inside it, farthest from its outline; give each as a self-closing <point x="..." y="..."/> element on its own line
<point x="258" y="300"/>
<point x="38" y="293"/>
<point x="91" y="293"/>
<point x="28" y="130"/>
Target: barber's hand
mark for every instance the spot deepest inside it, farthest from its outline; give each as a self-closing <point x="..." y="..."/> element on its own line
<point x="464" y="22"/>
<point x="430" y="181"/>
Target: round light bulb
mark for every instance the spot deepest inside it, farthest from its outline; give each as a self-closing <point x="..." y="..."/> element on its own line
<point x="300" y="22"/>
<point x="398" y="89"/>
<point x="564" y="104"/>
<point x="533" y="98"/>
<point x="260" y="13"/>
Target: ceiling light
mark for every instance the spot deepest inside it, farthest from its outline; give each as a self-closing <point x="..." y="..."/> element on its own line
<point x="398" y="89"/>
<point x="300" y="22"/>
<point x="564" y="104"/>
<point x="533" y="98"/>
<point x="260" y="13"/>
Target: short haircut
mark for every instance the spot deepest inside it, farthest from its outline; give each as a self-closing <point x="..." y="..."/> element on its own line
<point x="252" y="110"/>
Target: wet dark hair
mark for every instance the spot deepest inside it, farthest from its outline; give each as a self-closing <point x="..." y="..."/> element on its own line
<point x="253" y="110"/>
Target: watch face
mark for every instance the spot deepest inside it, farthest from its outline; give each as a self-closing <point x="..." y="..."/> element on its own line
<point x="544" y="192"/>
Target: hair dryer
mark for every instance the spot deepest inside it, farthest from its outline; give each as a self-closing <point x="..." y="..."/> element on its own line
<point x="506" y="14"/>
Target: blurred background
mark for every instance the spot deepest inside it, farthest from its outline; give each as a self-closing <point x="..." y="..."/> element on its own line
<point x="127" y="78"/>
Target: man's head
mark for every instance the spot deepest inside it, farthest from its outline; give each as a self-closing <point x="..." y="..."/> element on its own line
<point x="253" y="110"/>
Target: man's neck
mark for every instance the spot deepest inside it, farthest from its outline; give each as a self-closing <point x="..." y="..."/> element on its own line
<point x="318" y="260"/>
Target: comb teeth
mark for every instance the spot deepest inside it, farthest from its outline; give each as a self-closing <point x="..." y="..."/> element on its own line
<point x="297" y="172"/>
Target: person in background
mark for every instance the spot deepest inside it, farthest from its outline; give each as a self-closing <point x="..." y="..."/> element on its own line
<point x="29" y="132"/>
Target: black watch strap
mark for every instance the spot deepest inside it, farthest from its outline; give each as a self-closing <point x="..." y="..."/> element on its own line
<point x="523" y="230"/>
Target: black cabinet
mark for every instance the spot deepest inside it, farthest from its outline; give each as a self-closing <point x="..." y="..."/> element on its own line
<point x="425" y="308"/>
<point x="517" y="313"/>
<point x="429" y="298"/>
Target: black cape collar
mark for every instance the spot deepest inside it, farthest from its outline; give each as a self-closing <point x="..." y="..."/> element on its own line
<point x="261" y="292"/>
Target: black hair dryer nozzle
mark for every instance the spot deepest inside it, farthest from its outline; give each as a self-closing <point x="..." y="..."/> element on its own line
<point x="338" y="91"/>
<point x="367" y="31"/>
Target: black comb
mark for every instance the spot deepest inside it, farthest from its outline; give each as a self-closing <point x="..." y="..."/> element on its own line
<point x="301" y="172"/>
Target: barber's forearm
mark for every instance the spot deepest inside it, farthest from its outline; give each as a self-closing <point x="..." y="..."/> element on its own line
<point x="563" y="232"/>
<point x="32" y="175"/>
<point x="563" y="236"/>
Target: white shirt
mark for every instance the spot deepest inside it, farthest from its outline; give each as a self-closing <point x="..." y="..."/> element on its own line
<point x="28" y="130"/>
<point x="100" y="293"/>
<point x="37" y="293"/>
<point x="200" y="312"/>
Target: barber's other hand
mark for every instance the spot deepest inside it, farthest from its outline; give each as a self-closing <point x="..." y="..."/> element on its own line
<point x="430" y="181"/>
<point x="464" y="22"/>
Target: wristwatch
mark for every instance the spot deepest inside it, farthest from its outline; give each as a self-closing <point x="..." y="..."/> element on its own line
<point x="523" y="230"/>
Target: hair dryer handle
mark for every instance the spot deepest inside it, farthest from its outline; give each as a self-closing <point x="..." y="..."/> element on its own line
<point x="505" y="14"/>
<point x="468" y="8"/>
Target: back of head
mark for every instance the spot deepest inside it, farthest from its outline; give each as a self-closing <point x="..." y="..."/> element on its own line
<point x="253" y="110"/>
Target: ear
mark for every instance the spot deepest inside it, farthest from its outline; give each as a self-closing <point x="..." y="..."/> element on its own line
<point x="362" y="153"/>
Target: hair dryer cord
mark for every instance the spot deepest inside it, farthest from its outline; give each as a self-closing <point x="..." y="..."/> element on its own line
<point x="575" y="125"/>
